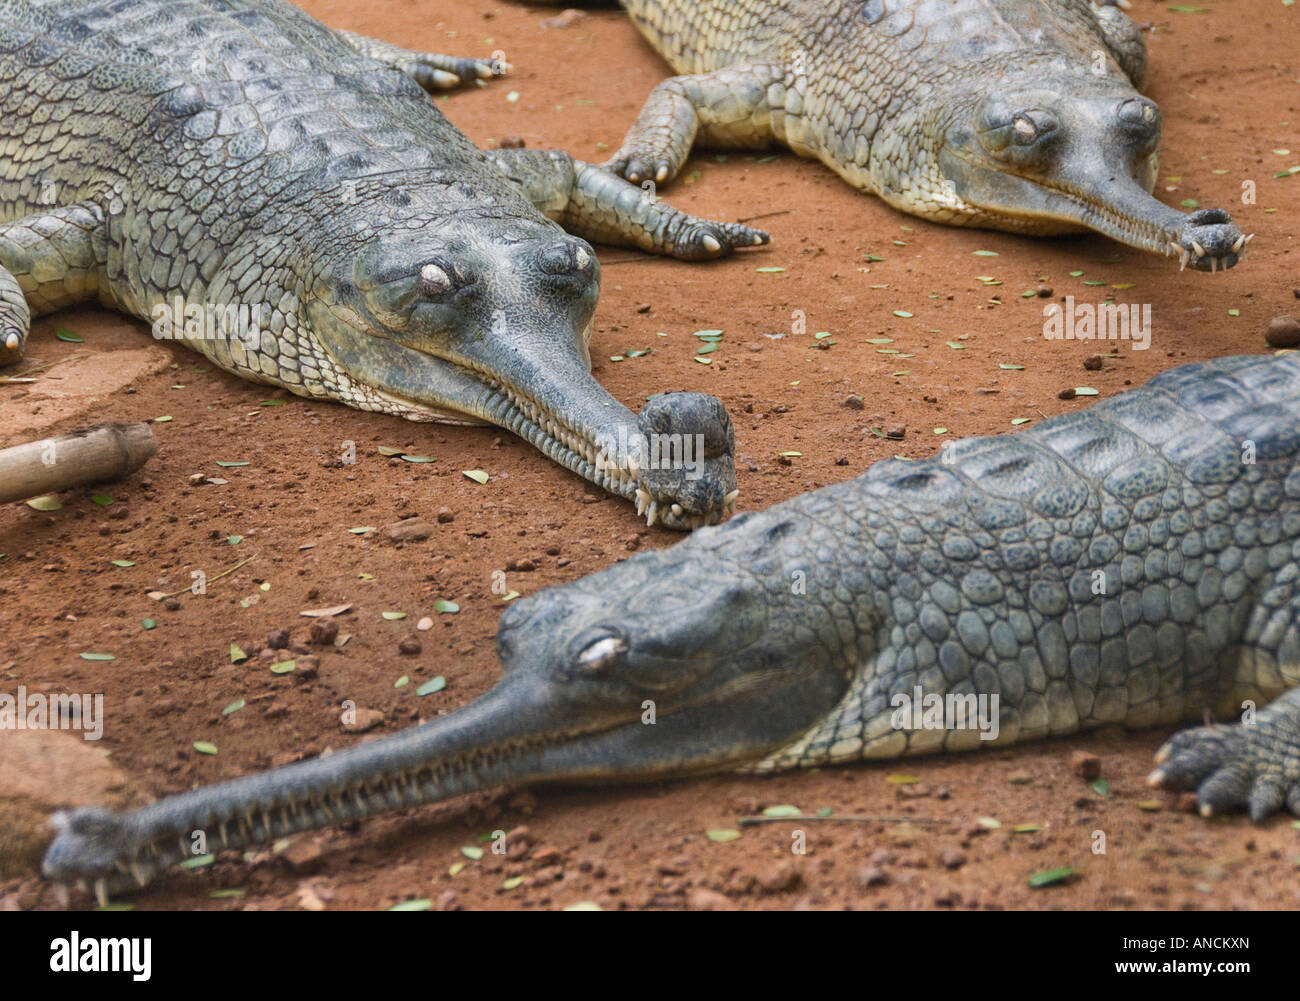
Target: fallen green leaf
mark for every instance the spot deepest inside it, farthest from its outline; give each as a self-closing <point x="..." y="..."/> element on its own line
<point x="433" y="685"/>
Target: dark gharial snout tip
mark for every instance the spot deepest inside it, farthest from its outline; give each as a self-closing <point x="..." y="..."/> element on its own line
<point x="693" y="414"/>
<point x="1209" y="241"/>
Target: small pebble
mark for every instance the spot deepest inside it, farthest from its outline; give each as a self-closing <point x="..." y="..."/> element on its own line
<point x="425" y="624"/>
<point x="1045" y="292"/>
<point x="323" y="632"/>
<point x="446" y="515"/>
<point x="278" y="639"/>
<point x="779" y="878"/>
<point x="1093" y="363"/>
<point x="853" y="403"/>
<point x="952" y="858"/>
<point x="1283" y="332"/>
<point x="365" y="720"/>
<point x="701" y="899"/>
<point x="1086" y="766"/>
<point x="410" y="645"/>
<point x="512" y="142"/>
<point x="872" y="875"/>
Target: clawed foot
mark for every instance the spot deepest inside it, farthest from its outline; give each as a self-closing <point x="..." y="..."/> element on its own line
<point x="1231" y="767"/>
<point x="437" y="73"/>
<point x="11" y="345"/>
<point x="1209" y="241"/>
<point x="703" y="239"/>
<point x="15" y="319"/>
<point x="638" y="166"/>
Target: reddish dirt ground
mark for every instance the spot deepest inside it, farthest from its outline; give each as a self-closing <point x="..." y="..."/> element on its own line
<point x="1227" y="83"/>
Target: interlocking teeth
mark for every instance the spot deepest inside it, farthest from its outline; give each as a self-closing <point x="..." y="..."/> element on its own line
<point x="642" y="500"/>
<point x="652" y="512"/>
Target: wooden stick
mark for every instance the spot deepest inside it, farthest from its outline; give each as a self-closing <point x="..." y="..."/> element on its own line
<point x="91" y="455"/>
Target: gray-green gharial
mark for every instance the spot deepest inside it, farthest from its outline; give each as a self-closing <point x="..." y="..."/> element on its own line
<point x="287" y="200"/>
<point x="1134" y="563"/>
<point x="1003" y="114"/>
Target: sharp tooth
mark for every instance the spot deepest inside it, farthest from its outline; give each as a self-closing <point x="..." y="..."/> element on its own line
<point x="1200" y="251"/>
<point x="140" y="873"/>
<point x="61" y="894"/>
<point x="1249" y="237"/>
<point x="651" y="512"/>
<point x="632" y="467"/>
<point x="1182" y="263"/>
<point x="101" y="892"/>
<point x="731" y="497"/>
<point x="1213" y="263"/>
<point x="1241" y="242"/>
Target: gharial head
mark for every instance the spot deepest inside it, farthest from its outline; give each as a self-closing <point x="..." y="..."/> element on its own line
<point x="476" y="316"/>
<point x="1084" y="155"/>
<point x="695" y="658"/>
<point x="690" y="659"/>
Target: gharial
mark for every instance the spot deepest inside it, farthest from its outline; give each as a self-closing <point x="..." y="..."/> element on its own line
<point x="1015" y="115"/>
<point x="286" y="199"/>
<point x="785" y="638"/>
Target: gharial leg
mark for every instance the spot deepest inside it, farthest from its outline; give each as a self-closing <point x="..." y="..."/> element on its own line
<point x="592" y="203"/>
<point x="47" y="262"/>
<point x="1255" y="765"/>
<point x="431" y="71"/>
<point x="730" y="107"/>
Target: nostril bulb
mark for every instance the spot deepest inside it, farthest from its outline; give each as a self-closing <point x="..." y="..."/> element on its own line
<point x="1137" y="111"/>
<point x="565" y="257"/>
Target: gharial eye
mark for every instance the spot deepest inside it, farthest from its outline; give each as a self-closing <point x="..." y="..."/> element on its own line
<point x="602" y="653"/>
<point x="434" y="280"/>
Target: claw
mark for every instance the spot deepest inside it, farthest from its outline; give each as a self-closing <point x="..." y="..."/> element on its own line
<point x="11" y="342"/>
<point x="710" y="243"/>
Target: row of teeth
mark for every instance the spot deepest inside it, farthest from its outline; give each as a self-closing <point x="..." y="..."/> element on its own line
<point x="617" y="479"/>
<point x="257" y="826"/>
<point x="1194" y="255"/>
<point x="648" y="506"/>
